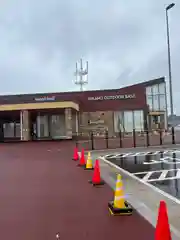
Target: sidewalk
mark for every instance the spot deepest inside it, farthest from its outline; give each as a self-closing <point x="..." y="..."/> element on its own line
<point x="43" y="192"/>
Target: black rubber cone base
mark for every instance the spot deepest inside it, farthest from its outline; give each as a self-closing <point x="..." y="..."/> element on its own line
<point x="97" y="184"/>
<point x="79" y="165"/>
<point x="75" y="159"/>
<point x="88" y="168"/>
<point x="120" y="211"/>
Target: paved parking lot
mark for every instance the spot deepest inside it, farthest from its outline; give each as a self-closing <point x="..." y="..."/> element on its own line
<point x="42" y="192"/>
<point x="159" y="168"/>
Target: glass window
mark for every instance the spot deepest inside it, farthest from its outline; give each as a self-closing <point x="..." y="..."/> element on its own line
<point x="128" y="121"/>
<point x="118" y="121"/>
<point x="156" y="102"/>
<point x="138" y="121"/>
<point x="155" y="89"/>
<point x="18" y="130"/>
<point x="8" y="130"/>
<point x="162" y="100"/>
<point x="149" y="90"/>
<point x="162" y="88"/>
<point x="150" y="102"/>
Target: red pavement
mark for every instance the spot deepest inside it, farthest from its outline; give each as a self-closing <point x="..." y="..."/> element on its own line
<point x="42" y="192"/>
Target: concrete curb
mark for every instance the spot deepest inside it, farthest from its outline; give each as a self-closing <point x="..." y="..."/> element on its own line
<point x="140" y="207"/>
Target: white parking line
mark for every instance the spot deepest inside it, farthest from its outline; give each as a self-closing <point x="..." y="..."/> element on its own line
<point x="157" y="180"/>
<point x="162" y="176"/>
<point x="147" y="176"/>
<point x="138" y="154"/>
<point x="178" y="174"/>
<point x="155" y="171"/>
<point x="150" y="162"/>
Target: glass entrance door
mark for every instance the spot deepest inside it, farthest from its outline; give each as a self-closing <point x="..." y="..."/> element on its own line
<point x="57" y="126"/>
<point x="42" y="127"/>
<point x="50" y="126"/>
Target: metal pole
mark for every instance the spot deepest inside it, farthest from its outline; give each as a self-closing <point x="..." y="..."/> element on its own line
<point x="21" y="124"/>
<point x="169" y="61"/>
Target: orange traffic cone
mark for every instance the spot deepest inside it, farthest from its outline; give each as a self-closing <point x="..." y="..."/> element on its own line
<point x="162" y="231"/>
<point x="96" y="178"/>
<point x="82" y="162"/>
<point x="75" y="156"/>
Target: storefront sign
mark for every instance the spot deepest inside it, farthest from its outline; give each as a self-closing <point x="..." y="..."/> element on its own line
<point x="100" y="121"/>
<point x="45" y="99"/>
<point x="114" y="97"/>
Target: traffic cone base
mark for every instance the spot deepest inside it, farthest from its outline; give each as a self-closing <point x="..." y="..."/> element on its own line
<point x="88" y="168"/>
<point x="120" y="211"/>
<point x="119" y="206"/>
<point x="81" y="165"/>
<point x="75" y="159"/>
<point x="97" y="184"/>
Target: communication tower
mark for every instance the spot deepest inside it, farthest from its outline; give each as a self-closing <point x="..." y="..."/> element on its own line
<point x="81" y="74"/>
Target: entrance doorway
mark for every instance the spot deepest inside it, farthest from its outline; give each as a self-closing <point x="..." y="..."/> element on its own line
<point x="157" y="120"/>
<point x="47" y="126"/>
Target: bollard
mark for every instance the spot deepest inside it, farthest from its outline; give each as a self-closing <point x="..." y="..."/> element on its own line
<point x="120" y="139"/>
<point x="160" y="136"/>
<point x="106" y="138"/>
<point x="147" y="138"/>
<point x="173" y="136"/>
<point x="134" y="138"/>
<point x="92" y="141"/>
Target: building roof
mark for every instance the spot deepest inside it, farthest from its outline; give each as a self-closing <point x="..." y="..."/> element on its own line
<point x="145" y="83"/>
<point x="82" y="98"/>
<point x="153" y="82"/>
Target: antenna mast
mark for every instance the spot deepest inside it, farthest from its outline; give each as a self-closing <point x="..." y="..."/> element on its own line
<point x="81" y="74"/>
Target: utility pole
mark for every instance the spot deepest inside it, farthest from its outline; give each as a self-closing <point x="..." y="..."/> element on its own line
<point x="169" y="60"/>
<point x="80" y="74"/>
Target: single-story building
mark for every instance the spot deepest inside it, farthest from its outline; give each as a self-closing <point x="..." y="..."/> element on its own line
<point x="60" y="115"/>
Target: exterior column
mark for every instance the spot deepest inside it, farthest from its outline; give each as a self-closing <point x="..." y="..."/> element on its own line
<point x="68" y="122"/>
<point x="25" y="133"/>
<point x="38" y="121"/>
<point x="21" y="125"/>
<point x="77" y="124"/>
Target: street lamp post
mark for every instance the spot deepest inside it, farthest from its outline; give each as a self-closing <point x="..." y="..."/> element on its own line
<point x="169" y="59"/>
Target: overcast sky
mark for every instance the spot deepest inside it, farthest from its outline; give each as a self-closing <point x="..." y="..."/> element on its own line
<point x="124" y="42"/>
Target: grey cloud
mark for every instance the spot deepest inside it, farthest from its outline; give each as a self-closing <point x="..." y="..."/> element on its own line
<point x="124" y="42"/>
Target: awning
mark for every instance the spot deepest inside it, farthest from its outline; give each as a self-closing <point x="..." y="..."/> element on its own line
<point x="43" y="105"/>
